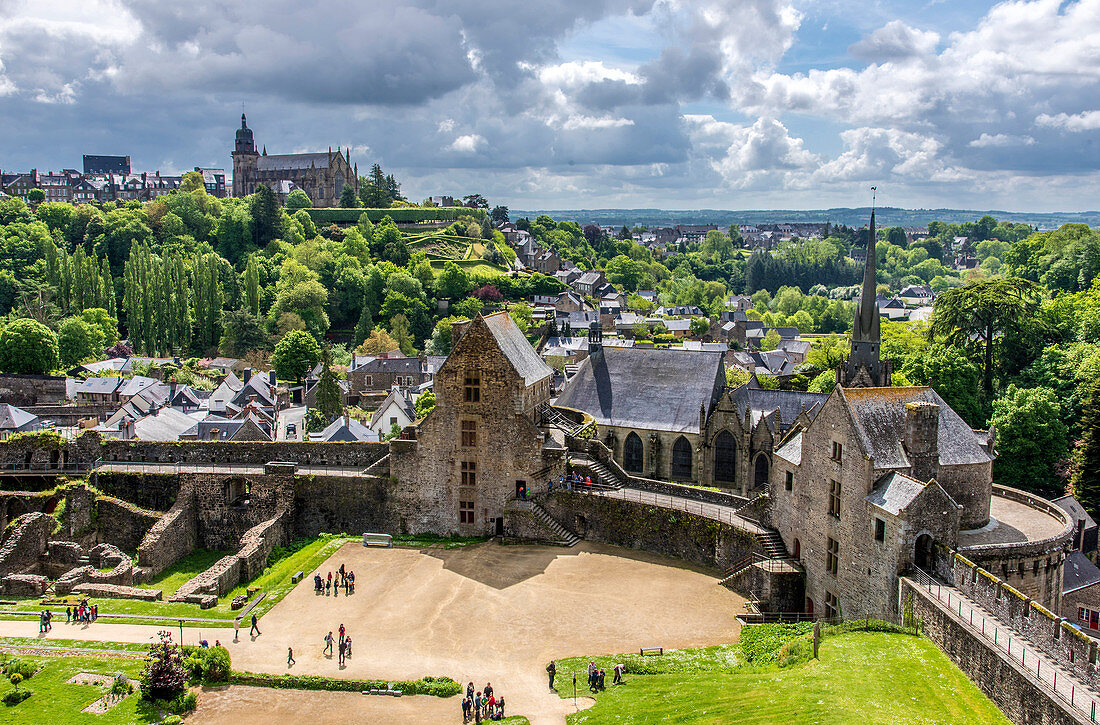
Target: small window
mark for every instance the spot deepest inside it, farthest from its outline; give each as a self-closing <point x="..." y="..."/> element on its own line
<point x="838" y="451"/>
<point x="880" y="530"/>
<point x="790" y="480"/>
<point x="832" y="606"/>
<point x="469" y="433"/>
<point x="473" y="387"/>
<point x="832" y="556"/>
<point x="393" y="420"/>
<point x="1082" y="615"/>
<point x="465" y="512"/>
<point x="469" y="473"/>
<point x="368" y="380"/>
<point x="834" y="498"/>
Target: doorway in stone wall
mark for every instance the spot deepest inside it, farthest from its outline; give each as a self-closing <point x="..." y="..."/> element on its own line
<point x="922" y="553"/>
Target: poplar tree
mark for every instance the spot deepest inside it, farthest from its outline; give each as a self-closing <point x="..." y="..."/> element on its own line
<point x="252" y="285"/>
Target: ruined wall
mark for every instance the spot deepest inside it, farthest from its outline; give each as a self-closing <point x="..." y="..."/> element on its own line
<point x="155" y="491"/>
<point x="24" y="541"/>
<point x="172" y="537"/>
<point x="222" y="518"/>
<point x="123" y="524"/>
<point x="24" y="390"/>
<point x="329" y="504"/>
<point x="1016" y="691"/>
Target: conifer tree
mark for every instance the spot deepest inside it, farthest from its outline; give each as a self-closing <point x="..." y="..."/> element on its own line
<point x="252" y="285"/>
<point x="365" y="325"/>
<point x="330" y="400"/>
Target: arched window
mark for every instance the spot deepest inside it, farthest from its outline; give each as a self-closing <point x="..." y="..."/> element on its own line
<point x="632" y="454"/>
<point x="681" y="458"/>
<point x="725" y="457"/>
<point x="761" y="476"/>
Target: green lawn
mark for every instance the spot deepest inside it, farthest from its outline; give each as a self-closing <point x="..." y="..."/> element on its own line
<point x="72" y="643"/>
<point x="58" y="703"/>
<point x="861" y="677"/>
<point x="184" y="570"/>
<point x="275" y="581"/>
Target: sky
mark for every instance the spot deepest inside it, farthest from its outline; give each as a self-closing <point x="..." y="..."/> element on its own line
<point x="569" y="104"/>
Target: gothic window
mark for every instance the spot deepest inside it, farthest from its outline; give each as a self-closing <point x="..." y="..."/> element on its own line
<point x="681" y="458"/>
<point x="632" y="454"/>
<point x="760" y="475"/>
<point x="725" y="457"/>
<point x="469" y="433"/>
<point x="469" y="473"/>
<point x="473" y="387"/>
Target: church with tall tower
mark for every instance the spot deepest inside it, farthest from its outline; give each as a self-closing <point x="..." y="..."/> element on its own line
<point x="865" y="368"/>
<point x="321" y="175"/>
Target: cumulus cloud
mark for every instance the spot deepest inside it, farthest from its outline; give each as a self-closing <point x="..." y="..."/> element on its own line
<point x="468" y="143"/>
<point x="1084" y="121"/>
<point x="894" y="41"/>
<point x="1000" y="140"/>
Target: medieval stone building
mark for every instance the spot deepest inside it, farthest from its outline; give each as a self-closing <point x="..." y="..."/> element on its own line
<point x="480" y="445"/>
<point x="321" y="176"/>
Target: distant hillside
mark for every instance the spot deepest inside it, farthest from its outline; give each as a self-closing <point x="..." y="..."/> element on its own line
<point x="885" y="216"/>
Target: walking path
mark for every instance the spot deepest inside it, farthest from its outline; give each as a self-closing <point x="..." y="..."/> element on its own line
<point x="1011" y="645"/>
<point x="718" y="512"/>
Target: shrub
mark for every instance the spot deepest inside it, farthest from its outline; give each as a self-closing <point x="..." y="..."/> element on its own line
<point x="16" y="679"/>
<point x="164" y="677"/>
<point x="435" y="686"/>
<point x="122" y="687"/>
<point x="171" y="720"/>
<point x="180" y="704"/>
<point x="762" y="643"/>
<point x="16" y="666"/>
<point x="408" y="215"/>
<point x="14" y="697"/>
<point x="207" y="664"/>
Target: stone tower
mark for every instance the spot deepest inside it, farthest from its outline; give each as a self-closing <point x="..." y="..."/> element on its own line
<point x="244" y="159"/>
<point x="864" y="368"/>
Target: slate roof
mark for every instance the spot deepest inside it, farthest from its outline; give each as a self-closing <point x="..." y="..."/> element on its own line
<point x="400" y="365"/>
<point x="99" y="386"/>
<point x="1074" y="508"/>
<point x="1078" y="572"/>
<point x="515" y="347"/>
<point x="792" y="450"/>
<point x="789" y="403"/>
<point x="589" y="278"/>
<point x="353" y="430"/>
<point x="879" y="415"/>
<point x="651" y="389"/>
<point x="12" y="418"/>
<point x="165" y="425"/>
<point x="894" y="492"/>
<point x="201" y="430"/>
<point x="394" y="398"/>
<point x="281" y="162"/>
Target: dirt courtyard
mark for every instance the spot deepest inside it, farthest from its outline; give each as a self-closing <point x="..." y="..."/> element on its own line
<point x="486" y="613"/>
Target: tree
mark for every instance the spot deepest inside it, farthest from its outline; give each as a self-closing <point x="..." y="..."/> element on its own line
<point x="950" y="374"/>
<point x="378" y="343"/>
<point x="330" y="400"/>
<point x="476" y="200"/>
<point x="76" y="341"/>
<point x="192" y="181"/>
<point x="298" y="199"/>
<point x="425" y="404"/>
<point x="374" y="190"/>
<point x="163" y="677"/>
<point x="242" y="331"/>
<point x="295" y="355"/>
<point x="28" y="347"/>
<point x="453" y="282"/>
<point x="264" y="209"/>
<point x="1086" y="475"/>
<point x="499" y="214"/>
<point x="984" y="310"/>
<point x="252" y="285"/>
<point x="1031" y="439"/>
<point x="399" y="329"/>
<point x="364" y="326"/>
<point x="36" y="196"/>
<point x="487" y="293"/>
<point x="102" y="322"/>
<point x="348" y="198"/>
<point x="770" y="341"/>
<point x="699" y="326"/>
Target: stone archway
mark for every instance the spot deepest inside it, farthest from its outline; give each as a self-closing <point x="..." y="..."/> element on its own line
<point x="761" y="467"/>
<point x="633" y="454"/>
<point x="922" y="552"/>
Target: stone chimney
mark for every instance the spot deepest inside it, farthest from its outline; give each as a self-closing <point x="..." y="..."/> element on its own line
<point x="595" y="338"/>
<point x="922" y="433"/>
<point x="271" y="379"/>
<point x="246" y="375"/>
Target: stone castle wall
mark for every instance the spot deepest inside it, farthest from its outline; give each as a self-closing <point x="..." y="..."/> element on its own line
<point x="328" y="504"/>
<point x="172" y="537"/>
<point x="24" y="390"/>
<point x="123" y="524"/>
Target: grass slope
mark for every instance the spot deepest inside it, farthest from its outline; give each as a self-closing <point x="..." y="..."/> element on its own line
<point x="864" y="678"/>
<point x="184" y="570"/>
<point x="58" y="703"/>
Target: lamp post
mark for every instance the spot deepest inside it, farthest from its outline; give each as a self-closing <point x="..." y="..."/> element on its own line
<point x="181" y="633"/>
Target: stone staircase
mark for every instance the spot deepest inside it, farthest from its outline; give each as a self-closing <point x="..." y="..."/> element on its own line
<point x="565" y="536"/>
<point x="603" y="478"/>
<point x="773" y="544"/>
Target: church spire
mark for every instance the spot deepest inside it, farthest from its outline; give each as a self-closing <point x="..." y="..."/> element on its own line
<point x="864" y="367"/>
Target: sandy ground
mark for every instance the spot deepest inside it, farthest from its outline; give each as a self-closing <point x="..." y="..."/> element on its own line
<point x="485" y="613"/>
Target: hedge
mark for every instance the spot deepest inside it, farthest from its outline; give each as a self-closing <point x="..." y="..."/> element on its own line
<point x="436" y="686"/>
<point x="401" y="215"/>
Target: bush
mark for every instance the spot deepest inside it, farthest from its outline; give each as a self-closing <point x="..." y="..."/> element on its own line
<point x="435" y="686"/>
<point x="16" y="666"/>
<point x="171" y="720"/>
<point x="407" y="215"/>
<point x="16" y="679"/>
<point x="762" y="643"/>
<point x="179" y="704"/>
<point x="207" y="664"/>
<point x="14" y="697"/>
<point x="164" y="676"/>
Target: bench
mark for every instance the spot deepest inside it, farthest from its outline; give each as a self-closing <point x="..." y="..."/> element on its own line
<point x="377" y="540"/>
<point x="296" y="578"/>
<point x="652" y="651"/>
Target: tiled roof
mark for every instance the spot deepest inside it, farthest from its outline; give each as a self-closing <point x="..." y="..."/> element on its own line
<point x="1079" y="572"/>
<point x="515" y="347"/>
<point x="12" y="418"/>
<point x="281" y="162"/>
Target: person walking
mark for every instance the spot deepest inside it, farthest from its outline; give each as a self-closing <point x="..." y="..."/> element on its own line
<point x="236" y="629"/>
<point x="551" y="670"/>
<point x="289" y="656"/>
<point x="254" y="627"/>
<point x="328" y="645"/>
<point x="342" y="648"/>
<point x="68" y="615"/>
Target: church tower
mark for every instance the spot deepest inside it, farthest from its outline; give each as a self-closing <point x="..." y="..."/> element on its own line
<point x="864" y="368"/>
<point x="244" y="160"/>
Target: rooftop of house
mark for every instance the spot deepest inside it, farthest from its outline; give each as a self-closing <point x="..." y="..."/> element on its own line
<point x="12" y="418"/>
<point x="1078" y="572"/>
<point x="516" y="348"/>
<point x="765" y="403"/>
<point x="345" y="429"/>
<point x="894" y="492"/>
<point x="651" y="389"/>
<point x="879" y="414"/>
<point x="1074" y="508"/>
